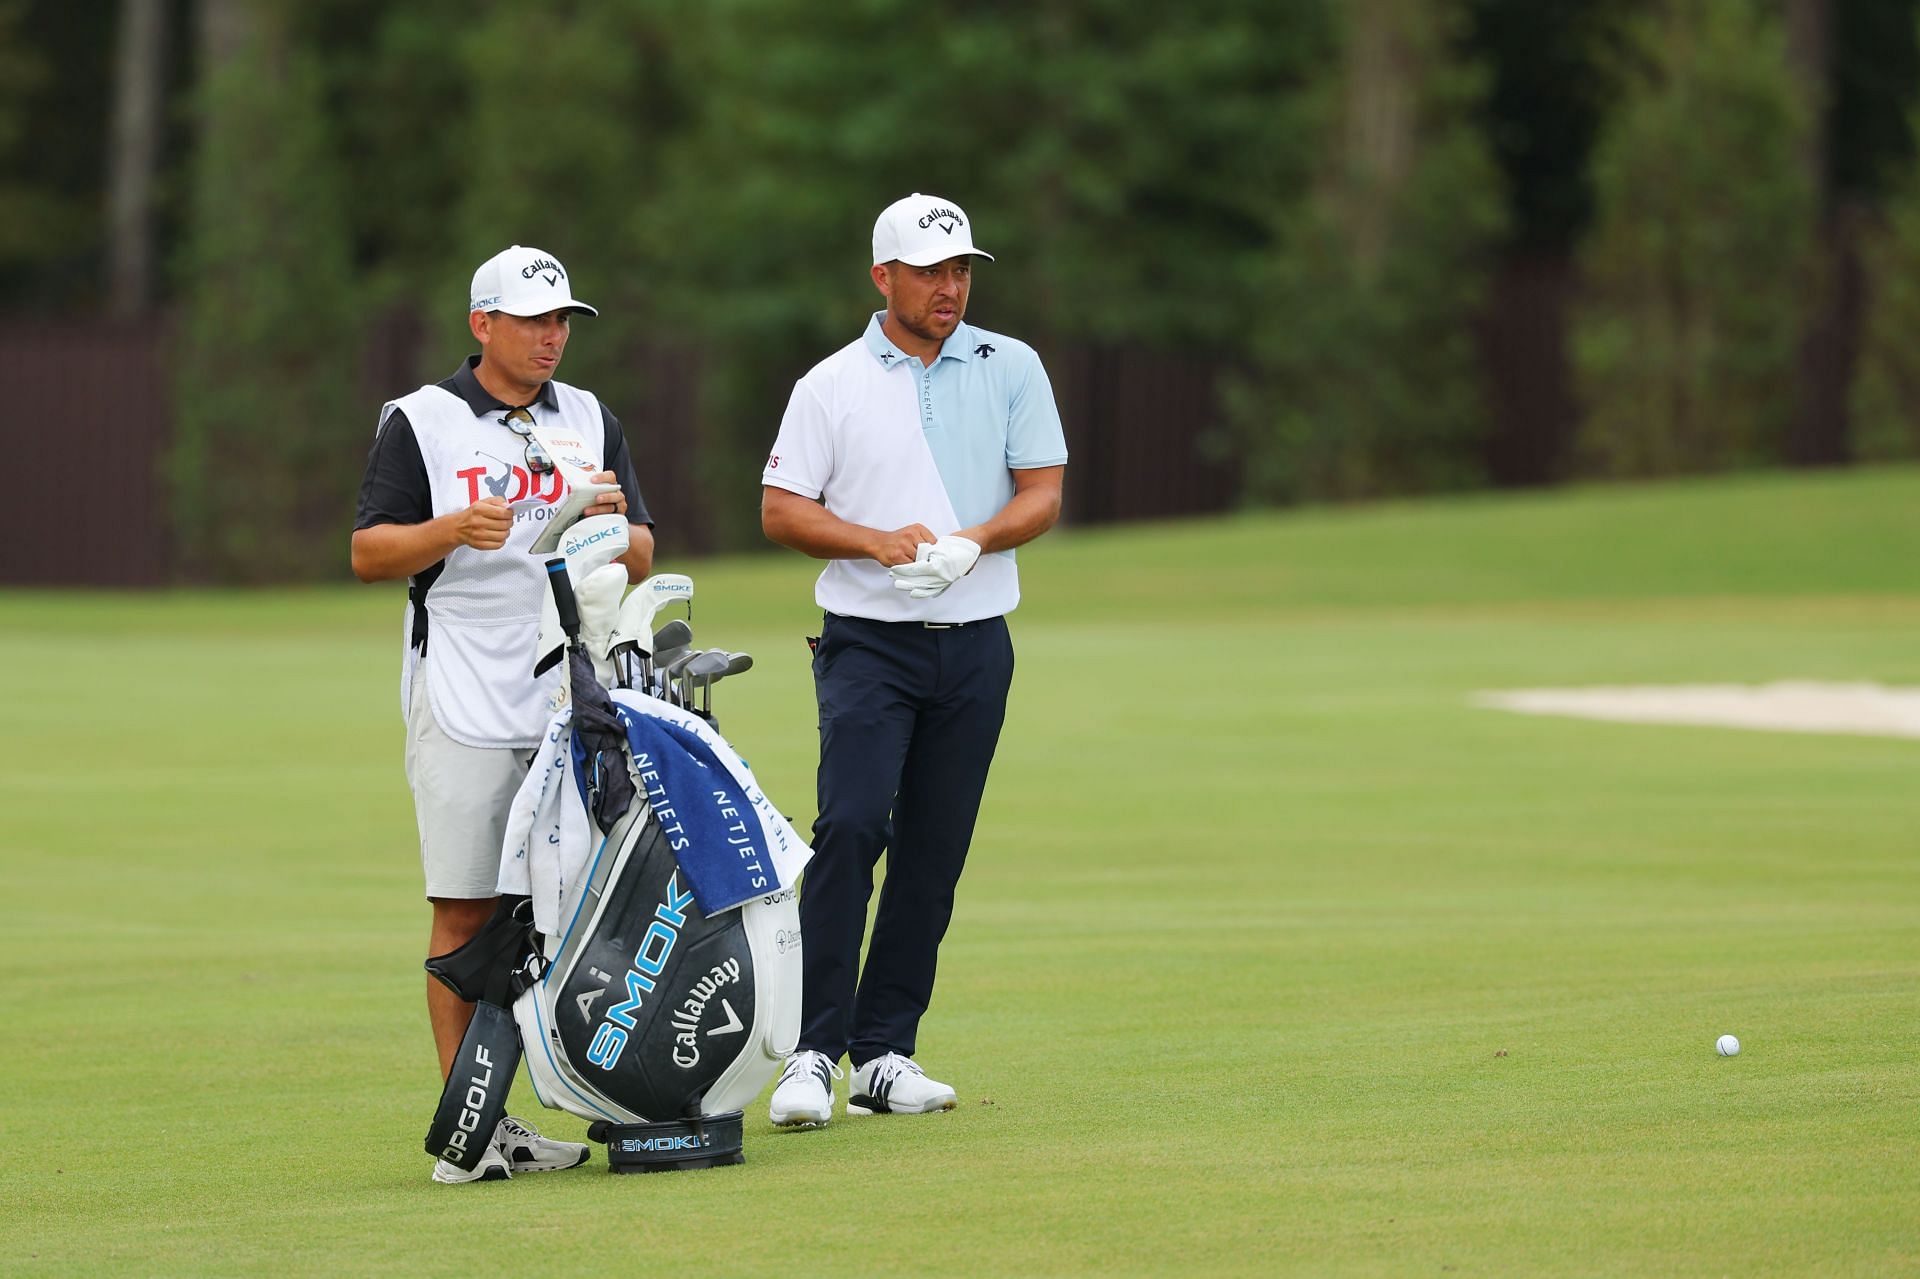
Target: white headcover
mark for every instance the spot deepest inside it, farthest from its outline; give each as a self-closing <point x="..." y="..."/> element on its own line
<point x="588" y="546"/>
<point x="643" y="603"/>
<point x="599" y="599"/>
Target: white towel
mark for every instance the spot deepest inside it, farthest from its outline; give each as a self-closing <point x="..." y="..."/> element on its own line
<point x="549" y="835"/>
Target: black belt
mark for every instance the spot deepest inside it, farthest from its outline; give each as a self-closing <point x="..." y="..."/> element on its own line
<point x="929" y="626"/>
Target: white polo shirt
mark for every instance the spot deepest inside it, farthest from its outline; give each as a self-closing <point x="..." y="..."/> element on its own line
<point x="886" y="441"/>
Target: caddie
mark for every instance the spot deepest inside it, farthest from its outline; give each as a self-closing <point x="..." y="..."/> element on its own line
<point x="914" y="460"/>
<point x="457" y="488"/>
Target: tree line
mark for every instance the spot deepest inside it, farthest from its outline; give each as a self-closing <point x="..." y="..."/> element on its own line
<point x="1427" y="244"/>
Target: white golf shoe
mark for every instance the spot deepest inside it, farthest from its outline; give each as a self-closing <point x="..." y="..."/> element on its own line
<point x="493" y="1166"/>
<point x="894" y="1085"/>
<point x="515" y="1147"/>
<point x="805" y="1092"/>
<point x="527" y="1151"/>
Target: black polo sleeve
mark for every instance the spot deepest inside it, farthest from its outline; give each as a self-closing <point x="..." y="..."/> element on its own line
<point x="620" y="462"/>
<point x="394" y="489"/>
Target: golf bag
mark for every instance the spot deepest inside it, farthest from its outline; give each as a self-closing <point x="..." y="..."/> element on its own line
<point x="646" y="1006"/>
<point x="645" y="959"/>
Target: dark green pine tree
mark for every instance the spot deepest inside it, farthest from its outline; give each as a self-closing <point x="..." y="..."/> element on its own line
<point x="1123" y="163"/>
<point x="1365" y="378"/>
<point x="1695" y="270"/>
<point x="269" y="438"/>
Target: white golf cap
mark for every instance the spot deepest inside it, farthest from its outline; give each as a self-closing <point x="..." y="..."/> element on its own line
<point x="523" y="281"/>
<point x="922" y="230"/>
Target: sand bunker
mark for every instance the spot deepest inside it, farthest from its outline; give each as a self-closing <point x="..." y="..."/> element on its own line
<point x="1788" y="707"/>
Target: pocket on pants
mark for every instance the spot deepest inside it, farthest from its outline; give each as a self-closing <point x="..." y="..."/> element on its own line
<point x="825" y="645"/>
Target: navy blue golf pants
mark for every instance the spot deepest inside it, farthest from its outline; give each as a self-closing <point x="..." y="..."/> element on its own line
<point x="909" y="718"/>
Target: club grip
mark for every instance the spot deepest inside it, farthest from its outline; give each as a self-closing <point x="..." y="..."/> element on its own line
<point x="562" y="586"/>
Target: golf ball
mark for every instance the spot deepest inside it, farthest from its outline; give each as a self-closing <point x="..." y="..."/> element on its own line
<point x="1728" y="1046"/>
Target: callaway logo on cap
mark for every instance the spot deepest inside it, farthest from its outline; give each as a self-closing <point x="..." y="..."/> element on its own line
<point x="922" y="230"/>
<point x="523" y="281"/>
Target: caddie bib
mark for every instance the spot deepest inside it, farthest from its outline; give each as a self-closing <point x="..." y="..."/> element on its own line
<point x="483" y="610"/>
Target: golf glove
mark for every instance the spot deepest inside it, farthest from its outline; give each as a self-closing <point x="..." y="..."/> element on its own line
<point x="937" y="566"/>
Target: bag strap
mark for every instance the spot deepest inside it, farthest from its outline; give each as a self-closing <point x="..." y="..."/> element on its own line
<point x="417" y="596"/>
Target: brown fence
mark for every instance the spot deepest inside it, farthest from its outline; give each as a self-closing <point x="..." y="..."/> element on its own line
<point x="87" y="424"/>
<point x="1139" y="425"/>
<point x="90" y="407"/>
<point x="1532" y="408"/>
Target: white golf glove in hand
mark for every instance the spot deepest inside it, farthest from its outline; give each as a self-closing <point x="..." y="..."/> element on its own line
<point x="938" y="565"/>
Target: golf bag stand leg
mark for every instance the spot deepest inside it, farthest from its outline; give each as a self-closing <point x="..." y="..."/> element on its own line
<point x="489" y="971"/>
<point x="475" y="1096"/>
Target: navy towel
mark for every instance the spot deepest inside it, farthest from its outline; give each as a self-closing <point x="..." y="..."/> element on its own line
<point x="709" y="822"/>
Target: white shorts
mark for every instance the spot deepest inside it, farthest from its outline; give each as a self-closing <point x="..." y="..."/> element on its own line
<point x="461" y="798"/>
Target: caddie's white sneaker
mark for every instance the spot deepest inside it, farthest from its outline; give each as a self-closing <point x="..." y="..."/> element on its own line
<point x="527" y="1151"/>
<point x="805" y="1093"/>
<point x="493" y="1166"/>
<point x="894" y="1085"/>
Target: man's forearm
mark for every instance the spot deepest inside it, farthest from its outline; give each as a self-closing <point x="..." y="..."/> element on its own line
<point x="1033" y="509"/>
<point x="388" y="551"/>
<point x="639" y="554"/>
<point x="810" y="528"/>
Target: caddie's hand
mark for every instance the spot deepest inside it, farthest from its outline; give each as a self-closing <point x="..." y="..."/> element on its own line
<point x="614" y="503"/>
<point x="937" y="567"/>
<point x="484" y="525"/>
<point x="901" y="545"/>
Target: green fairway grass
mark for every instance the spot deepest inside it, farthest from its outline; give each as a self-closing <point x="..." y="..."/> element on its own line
<point x="1275" y="955"/>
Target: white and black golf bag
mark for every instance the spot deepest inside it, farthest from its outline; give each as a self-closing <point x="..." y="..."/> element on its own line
<point x="645" y="960"/>
<point x="646" y="1008"/>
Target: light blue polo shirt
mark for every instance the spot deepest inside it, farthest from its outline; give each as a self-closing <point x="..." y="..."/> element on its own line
<point x="986" y="408"/>
<point x="886" y="441"/>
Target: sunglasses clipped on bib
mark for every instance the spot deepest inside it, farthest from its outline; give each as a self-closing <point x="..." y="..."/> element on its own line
<point x="520" y="422"/>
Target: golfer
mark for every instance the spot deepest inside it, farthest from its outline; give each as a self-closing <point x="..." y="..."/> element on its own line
<point x="456" y="489"/>
<point x="914" y="460"/>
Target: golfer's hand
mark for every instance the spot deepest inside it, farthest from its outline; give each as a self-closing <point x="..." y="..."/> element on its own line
<point x="607" y="503"/>
<point x="484" y="525"/>
<point x="902" y="545"/>
<point x="936" y="567"/>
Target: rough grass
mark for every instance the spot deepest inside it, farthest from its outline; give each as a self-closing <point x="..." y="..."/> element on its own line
<point x="1275" y="956"/>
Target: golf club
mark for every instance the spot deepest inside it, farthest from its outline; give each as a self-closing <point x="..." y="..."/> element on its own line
<point x="670" y="667"/>
<point x="675" y="634"/>
<point x="701" y="671"/>
<point x="669" y="638"/>
<point x="736" y="663"/>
